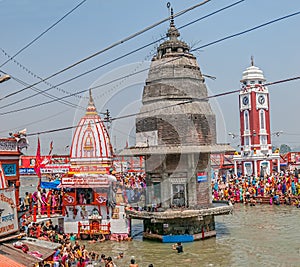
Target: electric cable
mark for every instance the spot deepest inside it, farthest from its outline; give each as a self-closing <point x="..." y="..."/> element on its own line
<point x="44" y="32"/>
<point x="222" y="39"/>
<point x="168" y="106"/>
<point x="116" y="59"/>
<point x="176" y="58"/>
<point x="65" y="102"/>
<point x="108" y="48"/>
<point x="248" y="30"/>
<point x="36" y="121"/>
<point x="32" y="74"/>
<point x="295" y="78"/>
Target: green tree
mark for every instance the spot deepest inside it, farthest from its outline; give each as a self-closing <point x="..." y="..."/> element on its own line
<point x="285" y="149"/>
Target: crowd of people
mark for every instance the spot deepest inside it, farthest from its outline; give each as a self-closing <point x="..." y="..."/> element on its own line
<point x="277" y="188"/>
<point x="70" y="252"/>
<point x="129" y="189"/>
<point x="132" y="186"/>
<point x="42" y="199"/>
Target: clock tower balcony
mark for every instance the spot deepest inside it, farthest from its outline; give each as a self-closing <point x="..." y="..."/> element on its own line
<point x="264" y="148"/>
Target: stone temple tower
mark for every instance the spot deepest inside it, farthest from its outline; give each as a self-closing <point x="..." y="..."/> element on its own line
<point x="176" y="132"/>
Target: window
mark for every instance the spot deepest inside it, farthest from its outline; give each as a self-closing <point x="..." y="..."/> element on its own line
<point x="262" y="119"/>
<point x="263" y="139"/>
<point x="247" y="140"/>
<point x="156" y="193"/>
<point x="178" y="195"/>
<point x="246" y="120"/>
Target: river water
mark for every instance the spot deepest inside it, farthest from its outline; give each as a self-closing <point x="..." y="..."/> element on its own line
<point x="260" y="235"/>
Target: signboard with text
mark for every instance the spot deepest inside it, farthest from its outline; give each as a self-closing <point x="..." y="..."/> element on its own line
<point x="8" y="145"/>
<point x="89" y="169"/>
<point x="84" y="181"/>
<point x="8" y="212"/>
<point x="9" y="169"/>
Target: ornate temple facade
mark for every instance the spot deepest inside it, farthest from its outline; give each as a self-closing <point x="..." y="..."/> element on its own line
<point x="91" y="150"/>
<point x="176" y="133"/>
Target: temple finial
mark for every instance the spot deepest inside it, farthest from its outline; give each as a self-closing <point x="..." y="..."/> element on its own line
<point x="171" y="14"/>
<point x="252" y="61"/>
<point x="172" y="32"/>
<point x="168" y="6"/>
<point x="91" y="109"/>
<point x="90" y="93"/>
<point x="172" y="18"/>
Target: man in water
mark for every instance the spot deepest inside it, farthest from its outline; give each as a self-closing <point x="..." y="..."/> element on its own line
<point x="178" y="247"/>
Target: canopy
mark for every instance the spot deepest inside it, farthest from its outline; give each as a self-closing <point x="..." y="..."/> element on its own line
<point x="51" y="185"/>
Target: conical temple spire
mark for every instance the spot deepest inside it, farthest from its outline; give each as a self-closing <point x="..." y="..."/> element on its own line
<point x="91" y="108"/>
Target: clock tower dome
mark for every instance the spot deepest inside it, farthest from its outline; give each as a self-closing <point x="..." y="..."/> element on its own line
<point x="256" y="155"/>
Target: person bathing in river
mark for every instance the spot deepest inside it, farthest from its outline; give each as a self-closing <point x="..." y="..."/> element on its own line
<point x="100" y="238"/>
<point x="178" y="247"/>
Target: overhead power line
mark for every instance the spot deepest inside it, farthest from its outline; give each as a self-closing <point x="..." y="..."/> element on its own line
<point x="55" y="98"/>
<point x="108" y="48"/>
<point x="61" y="113"/>
<point x="165" y="107"/>
<point x="114" y="60"/>
<point x="31" y="73"/>
<point x="39" y="91"/>
<point x="135" y="73"/>
<point x="44" y="32"/>
<point x="248" y="30"/>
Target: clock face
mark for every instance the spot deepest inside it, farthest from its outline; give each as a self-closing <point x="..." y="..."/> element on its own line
<point x="245" y="100"/>
<point x="261" y="99"/>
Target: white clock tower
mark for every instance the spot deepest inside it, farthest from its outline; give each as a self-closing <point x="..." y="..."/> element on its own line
<point x="256" y="157"/>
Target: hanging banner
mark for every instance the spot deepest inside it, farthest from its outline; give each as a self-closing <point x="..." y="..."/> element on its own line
<point x="100" y="198"/>
<point x="69" y="198"/>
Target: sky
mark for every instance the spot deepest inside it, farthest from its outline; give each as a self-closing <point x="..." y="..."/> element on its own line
<point x="96" y="25"/>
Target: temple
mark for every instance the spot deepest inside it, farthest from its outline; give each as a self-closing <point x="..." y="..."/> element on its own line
<point x="176" y="133"/>
<point x="88" y="202"/>
<point x="91" y="149"/>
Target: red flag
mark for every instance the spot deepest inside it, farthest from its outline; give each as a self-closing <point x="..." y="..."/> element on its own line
<point x="38" y="160"/>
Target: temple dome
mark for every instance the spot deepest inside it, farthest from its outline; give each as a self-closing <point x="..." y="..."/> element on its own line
<point x="173" y="46"/>
<point x="91" y="143"/>
<point x="253" y="73"/>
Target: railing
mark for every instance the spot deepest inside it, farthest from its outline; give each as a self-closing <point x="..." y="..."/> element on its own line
<point x="264" y="147"/>
<point x="47" y="211"/>
<point x="93" y="228"/>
